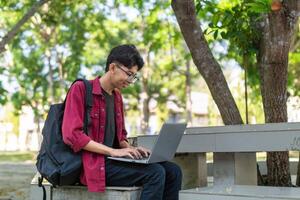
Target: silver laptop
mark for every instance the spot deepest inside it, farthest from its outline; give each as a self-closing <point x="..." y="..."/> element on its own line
<point x="164" y="147"/>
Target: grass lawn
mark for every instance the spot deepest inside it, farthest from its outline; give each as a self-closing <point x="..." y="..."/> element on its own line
<point x="16" y="156"/>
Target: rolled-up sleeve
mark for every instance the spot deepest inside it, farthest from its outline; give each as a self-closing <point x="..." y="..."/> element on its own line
<point x="72" y="127"/>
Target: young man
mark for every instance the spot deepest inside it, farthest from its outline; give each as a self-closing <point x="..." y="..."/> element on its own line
<point x="107" y="134"/>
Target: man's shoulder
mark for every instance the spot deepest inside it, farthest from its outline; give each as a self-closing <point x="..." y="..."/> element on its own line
<point x="78" y="87"/>
<point x="78" y="84"/>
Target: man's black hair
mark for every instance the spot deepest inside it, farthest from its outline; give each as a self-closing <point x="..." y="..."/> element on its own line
<point x="126" y="55"/>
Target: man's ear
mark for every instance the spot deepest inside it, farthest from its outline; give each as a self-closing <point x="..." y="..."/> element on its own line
<point x="112" y="67"/>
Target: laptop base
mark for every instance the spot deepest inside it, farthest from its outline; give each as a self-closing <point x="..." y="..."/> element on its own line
<point x="142" y="161"/>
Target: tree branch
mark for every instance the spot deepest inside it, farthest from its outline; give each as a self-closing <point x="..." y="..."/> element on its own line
<point x="13" y="32"/>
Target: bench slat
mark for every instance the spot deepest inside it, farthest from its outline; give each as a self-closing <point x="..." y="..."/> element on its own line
<point x="236" y="138"/>
<point x="241" y="192"/>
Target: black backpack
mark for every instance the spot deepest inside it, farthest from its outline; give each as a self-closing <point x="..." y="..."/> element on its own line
<point x="56" y="161"/>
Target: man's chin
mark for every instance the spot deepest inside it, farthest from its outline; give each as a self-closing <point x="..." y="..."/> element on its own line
<point x="125" y="86"/>
<point x="122" y="87"/>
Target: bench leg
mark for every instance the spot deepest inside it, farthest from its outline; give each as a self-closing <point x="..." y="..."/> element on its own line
<point x="202" y="170"/>
<point x="245" y="169"/>
<point x="235" y="168"/>
<point x="194" y="169"/>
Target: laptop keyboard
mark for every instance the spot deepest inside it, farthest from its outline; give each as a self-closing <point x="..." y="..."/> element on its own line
<point x="143" y="158"/>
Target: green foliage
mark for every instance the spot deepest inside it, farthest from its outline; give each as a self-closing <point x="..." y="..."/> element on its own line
<point x="231" y="21"/>
<point x="294" y="74"/>
<point x="4" y="93"/>
<point x="260" y="6"/>
<point x="70" y="39"/>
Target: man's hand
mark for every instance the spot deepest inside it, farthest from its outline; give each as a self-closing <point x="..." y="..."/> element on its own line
<point x="143" y="151"/>
<point x="139" y="152"/>
<point x="126" y="152"/>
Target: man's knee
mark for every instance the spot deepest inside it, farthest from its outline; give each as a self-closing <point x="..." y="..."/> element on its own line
<point x="173" y="171"/>
<point x="176" y="172"/>
<point x="156" y="173"/>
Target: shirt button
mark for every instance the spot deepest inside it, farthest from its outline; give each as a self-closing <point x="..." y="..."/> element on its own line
<point x="101" y="168"/>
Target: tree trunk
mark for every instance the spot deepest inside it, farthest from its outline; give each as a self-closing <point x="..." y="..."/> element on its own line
<point x="295" y="42"/>
<point x="13" y="32"/>
<point x="246" y="67"/>
<point x="61" y="75"/>
<point x="145" y="97"/>
<point x="51" y="78"/>
<point x="277" y="29"/>
<point x="37" y="118"/>
<point x="38" y="129"/>
<point x="205" y="62"/>
<point x="188" y="94"/>
<point x="146" y="113"/>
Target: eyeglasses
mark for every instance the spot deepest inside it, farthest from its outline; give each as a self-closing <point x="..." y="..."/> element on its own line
<point x="131" y="77"/>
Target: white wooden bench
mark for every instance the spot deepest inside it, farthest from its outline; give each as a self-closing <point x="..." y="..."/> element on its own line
<point x="80" y="192"/>
<point x="234" y="158"/>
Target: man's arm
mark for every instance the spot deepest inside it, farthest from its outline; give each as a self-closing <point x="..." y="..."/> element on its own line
<point x="72" y="130"/>
<point x="127" y="151"/>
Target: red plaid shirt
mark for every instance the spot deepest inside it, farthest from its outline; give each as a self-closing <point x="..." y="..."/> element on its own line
<point x="93" y="171"/>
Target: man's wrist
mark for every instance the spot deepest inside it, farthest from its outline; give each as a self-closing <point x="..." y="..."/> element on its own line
<point x="110" y="151"/>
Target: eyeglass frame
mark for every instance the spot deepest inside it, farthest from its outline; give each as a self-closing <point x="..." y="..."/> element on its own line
<point x="131" y="77"/>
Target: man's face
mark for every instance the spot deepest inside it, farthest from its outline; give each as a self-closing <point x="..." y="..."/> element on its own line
<point x="122" y="76"/>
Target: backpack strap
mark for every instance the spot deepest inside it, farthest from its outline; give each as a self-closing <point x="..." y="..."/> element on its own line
<point x="88" y="105"/>
<point x="88" y="102"/>
<point x="40" y="184"/>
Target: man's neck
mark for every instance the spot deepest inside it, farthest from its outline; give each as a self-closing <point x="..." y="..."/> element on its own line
<point x="105" y="84"/>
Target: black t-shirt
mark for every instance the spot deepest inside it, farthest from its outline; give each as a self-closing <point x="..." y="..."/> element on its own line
<point x="110" y="125"/>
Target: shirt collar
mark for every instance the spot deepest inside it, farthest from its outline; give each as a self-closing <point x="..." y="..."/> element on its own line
<point x="97" y="86"/>
<point x="97" y="89"/>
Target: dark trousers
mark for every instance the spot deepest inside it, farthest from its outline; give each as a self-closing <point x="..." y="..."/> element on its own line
<point x="158" y="181"/>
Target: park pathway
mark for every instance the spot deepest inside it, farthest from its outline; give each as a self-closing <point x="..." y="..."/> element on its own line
<point x="15" y="180"/>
